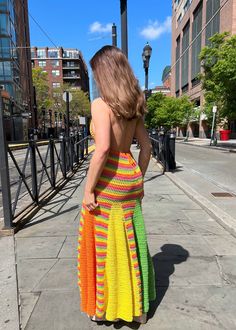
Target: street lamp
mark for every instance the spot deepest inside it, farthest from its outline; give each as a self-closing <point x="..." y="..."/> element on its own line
<point x="124" y="30"/>
<point x="44" y="124"/>
<point x="146" y="55"/>
<point x="50" y="117"/>
<point x="55" y="114"/>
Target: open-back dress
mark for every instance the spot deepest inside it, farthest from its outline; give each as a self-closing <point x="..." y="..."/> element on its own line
<point x="115" y="270"/>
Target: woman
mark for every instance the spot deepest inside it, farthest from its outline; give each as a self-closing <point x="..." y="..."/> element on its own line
<point x="115" y="270"/>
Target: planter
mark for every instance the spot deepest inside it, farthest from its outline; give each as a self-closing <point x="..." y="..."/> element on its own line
<point x="225" y="134"/>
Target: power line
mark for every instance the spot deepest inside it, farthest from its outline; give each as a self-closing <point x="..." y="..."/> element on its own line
<point x="204" y="27"/>
<point x="44" y="32"/>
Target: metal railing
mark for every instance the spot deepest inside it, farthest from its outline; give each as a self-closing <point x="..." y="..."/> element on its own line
<point x="35" y="172"/>
<point x="163" y="149"/>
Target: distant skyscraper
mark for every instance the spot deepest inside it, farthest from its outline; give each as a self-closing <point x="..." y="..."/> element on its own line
<point x="95" y="92"/>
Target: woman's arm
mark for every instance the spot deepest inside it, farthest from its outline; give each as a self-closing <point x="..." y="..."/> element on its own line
<point x="102" y="125"/>
<point x="145" y="145"/>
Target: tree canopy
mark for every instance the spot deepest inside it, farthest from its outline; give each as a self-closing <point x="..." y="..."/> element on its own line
<point x="219" y="76"/>
<point x="168" y="111"/>
<point x="40" y="81"/>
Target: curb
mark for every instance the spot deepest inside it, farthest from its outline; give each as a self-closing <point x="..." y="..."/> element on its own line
<point x="223" y="218"/>
<point x="207" y="146"/>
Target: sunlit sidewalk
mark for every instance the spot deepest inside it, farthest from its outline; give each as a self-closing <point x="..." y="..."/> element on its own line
<point x="194" y="258"/>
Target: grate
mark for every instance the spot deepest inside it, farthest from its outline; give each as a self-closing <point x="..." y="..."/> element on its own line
<point x="223" y="194"/>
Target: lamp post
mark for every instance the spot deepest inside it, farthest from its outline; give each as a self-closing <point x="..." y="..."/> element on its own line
<point x="124" y="30"/>
<point x="44" y="124"/>
<point x="146" y="55"/>
<point x="55" y="114"/>
<point x="50" y="118"/>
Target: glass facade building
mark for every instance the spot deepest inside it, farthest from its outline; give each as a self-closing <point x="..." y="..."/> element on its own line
<point x="15" y="66"/>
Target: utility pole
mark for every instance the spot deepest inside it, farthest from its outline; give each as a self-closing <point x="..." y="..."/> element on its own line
<point x="124" y="30"/>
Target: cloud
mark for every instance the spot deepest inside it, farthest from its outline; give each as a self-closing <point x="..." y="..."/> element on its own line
<point x="97" y="27"/>
<point x="155" y="29"/>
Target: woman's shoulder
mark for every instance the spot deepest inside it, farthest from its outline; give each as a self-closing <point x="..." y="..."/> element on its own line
<point x="100" y="105"/>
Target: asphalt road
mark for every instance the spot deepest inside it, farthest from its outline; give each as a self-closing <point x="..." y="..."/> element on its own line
<point x="216" y="166"/>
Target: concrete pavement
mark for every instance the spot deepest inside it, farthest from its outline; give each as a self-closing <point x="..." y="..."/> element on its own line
<point x="194" y="258"/>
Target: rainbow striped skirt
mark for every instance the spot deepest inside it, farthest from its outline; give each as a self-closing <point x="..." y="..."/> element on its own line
<point x="115" y="270"/>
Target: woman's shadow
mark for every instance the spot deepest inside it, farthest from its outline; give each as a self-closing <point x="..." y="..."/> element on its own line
<point x="164" y="265"/>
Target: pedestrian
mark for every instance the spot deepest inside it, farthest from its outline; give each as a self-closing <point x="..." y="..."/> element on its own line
<point x="115" y="270"/>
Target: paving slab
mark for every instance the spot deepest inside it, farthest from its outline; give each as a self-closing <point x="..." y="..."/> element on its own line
<point x="39" y="247"/>
<point x="193" y="256"/>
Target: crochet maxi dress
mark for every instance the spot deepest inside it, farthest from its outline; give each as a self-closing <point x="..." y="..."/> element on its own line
<point x="115" y="270"/>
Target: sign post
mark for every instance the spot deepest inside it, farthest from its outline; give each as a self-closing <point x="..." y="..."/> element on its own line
<point x="67" y="97"/>
<point x="213" y="137"/>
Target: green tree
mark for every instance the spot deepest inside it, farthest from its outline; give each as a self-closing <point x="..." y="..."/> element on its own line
<point x="219" y="76"/>
<point x="168" y="111"/>
<point x="79" y="106"/>
<point x="40" y="81"/>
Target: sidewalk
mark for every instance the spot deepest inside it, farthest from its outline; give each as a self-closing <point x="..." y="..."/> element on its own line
<point x="229" y="145"/>
<point x="194" y="258"/>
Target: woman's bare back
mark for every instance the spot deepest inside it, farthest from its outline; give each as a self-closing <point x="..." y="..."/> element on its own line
<point x="122" y="130"/>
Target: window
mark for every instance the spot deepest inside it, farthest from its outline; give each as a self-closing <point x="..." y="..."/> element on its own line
<point x="55" y="63"/>
<point x="71" y="54"/>
<point x="197" y="41"/>
<point x="177" y="65"/>
<point x="53" y="53"/>
<point x="5" y="48"/>
<point x="185" y="56"/>
<point x="56" y="85"/>
<point x="41" y="53"/>
<point x="213" y="26"/>
<point x="4" y="22"/>
<point x="42" y="63"/>
<point x="55" y="73"/>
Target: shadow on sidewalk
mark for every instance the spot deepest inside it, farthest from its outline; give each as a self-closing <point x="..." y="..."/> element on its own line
<point x="164" y="266"/>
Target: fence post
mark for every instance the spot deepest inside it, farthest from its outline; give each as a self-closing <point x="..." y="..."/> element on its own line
<point x="52" y="163"/>
<point x="71" y="142"/>
<point x="33" y="165"/>
<point x="5" y="178"/>
<point x="63" y="156"/>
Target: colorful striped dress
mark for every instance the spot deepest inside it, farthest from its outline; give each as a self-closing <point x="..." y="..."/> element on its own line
<point x="115" y="270"/>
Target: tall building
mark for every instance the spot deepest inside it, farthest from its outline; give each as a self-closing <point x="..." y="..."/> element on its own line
<point x="15" y="66"/>
<point x="63" y="65"/>
<point x="193" y="23"/>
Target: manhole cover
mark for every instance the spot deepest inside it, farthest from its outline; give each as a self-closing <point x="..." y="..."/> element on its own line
<point x="222" y="194"/>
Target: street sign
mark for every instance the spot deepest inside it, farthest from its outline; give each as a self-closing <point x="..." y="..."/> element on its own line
<point x="64" y="97"/>
<point x="82" y="120"/>
<point x="214" y="109"/>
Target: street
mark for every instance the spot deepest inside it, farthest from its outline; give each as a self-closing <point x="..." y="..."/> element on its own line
<point x="215" y="166"/>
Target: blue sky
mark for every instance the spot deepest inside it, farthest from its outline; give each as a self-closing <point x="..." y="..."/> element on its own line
<point x="86" y="25"/>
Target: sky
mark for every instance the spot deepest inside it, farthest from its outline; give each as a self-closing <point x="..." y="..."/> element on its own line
<point x="86" y="25"/>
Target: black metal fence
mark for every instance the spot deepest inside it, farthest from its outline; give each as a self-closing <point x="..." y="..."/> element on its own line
<point x="163" y="148"/>
<point x="36" y="171"/>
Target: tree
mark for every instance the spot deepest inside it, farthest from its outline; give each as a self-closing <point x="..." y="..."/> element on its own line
<point x="219" y="76"/>
<point x="79" y="106"/>
<point x="40" y="81"/>
<point x="168" y="111"/>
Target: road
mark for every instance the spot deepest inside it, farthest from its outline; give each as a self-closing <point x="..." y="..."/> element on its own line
<point x="216" y="166"/>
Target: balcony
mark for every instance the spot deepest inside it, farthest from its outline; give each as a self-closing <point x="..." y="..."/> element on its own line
<point x="71" y="76"/>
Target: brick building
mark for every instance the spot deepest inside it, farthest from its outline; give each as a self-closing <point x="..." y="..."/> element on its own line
<point x="15" y="66"/>
<point x="63" y="65"/>
<point x="193" y="23"/>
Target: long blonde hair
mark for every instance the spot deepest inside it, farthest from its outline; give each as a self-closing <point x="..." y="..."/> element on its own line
<point x="117" y="84"/>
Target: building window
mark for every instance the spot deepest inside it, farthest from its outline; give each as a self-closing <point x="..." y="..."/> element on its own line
<point x="177" y="65"/>
<point x="197" y="41"/>
<point x="55" y="63"/>
<point x="56" y="85"/>
<point x="185" y="56"/>
<point x="4" y="23"/>
<point x="71" y="54"/>
<point x="53" y="53"/>
<point x="41" y="53"/>
<point x="213" y="26"/>
<point x="42" y="64"/>
<point x="55" y="73"/>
